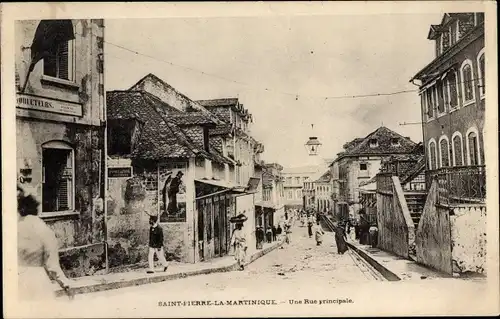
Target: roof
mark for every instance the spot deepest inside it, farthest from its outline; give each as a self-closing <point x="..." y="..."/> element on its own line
<point x="160" y="138"/>
<point x="325" y="177"/>
<point x="368" y="182"/>
<point x="221" y="130"/>
<point x="191" y="118"/>
<point x="413" y="171"/>
<point x="301" y="170"/>
<point x="219" y="102"/>
<point x="384" y="137"/>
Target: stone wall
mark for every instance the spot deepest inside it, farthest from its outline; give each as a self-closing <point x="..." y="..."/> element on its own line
<point x="468" y="239"/>
<point x="433" y="241"/>
<point x="396" y="229"/>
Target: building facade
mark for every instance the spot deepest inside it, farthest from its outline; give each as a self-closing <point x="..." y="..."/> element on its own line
<point x="361" y="161"/>
<point x="294" y="179"/>
<point x="60" y="123"/>
<point x="270" y="209"/>
<point x="453" y="97"/>
<point x="171" y="157"/>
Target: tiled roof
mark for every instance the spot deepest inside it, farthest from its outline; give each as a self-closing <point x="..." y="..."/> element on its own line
<point x="190" y="118"/>
<point x="384" y="137"/>
<point x="219" y="102"/>
<point x="221" y="130"/>
<point x="413" y="170"/>
<point x="160" y="138"/>
<point x="325" y="178"/>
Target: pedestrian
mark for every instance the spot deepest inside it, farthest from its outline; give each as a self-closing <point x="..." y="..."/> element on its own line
<point x="156" y="245"/>
<point x="38" y="255"/>
<point x="318" y="233"/>
<point x="288" y="234"/>
<point x="239" y="241"/>
<point x="279" y="231"/>
<point x="364" y="229"/>
<point x="373" y="235"/>
<point x="269" y="234"/>
<point x="309" y="226"/>
<point x="286" y="215"/>
<point x="340" y="239"/>
<point x="259" y="234"/>
<point x="274" y="233"/>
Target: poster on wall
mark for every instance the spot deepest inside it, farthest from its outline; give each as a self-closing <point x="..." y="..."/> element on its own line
<point x="172" y="193"/>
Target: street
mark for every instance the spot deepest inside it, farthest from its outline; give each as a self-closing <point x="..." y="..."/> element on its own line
<point x="301" y="274"/>
<point x="297" y="266"/>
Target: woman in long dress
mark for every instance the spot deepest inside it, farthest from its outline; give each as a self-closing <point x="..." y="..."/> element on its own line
<point x="38" y="255"/>
<point x="340" y="239"/>
<point x="318" y="233"/>
<point x="240" y="244"/>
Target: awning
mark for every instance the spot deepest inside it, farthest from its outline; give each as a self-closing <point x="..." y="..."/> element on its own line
<point x="222" y="187"/>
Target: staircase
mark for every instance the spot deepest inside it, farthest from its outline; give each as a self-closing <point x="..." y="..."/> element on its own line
<point x="415" y="202"/>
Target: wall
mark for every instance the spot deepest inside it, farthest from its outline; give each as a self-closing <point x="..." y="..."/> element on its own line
<point x="396" y="229"/>
<point x="468" y="239"/>
<point x="433" y="240"/>
<point x="356" y="176"/>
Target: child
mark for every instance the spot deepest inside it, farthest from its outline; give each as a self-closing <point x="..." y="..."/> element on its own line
<point x="156" y="245"/>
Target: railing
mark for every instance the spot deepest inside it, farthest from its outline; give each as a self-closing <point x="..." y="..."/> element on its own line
<point x="459" y="184"/>
<point x="384" y="182"/>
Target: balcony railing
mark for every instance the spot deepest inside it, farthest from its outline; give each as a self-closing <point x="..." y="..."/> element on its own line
<point x="459" y="184"/>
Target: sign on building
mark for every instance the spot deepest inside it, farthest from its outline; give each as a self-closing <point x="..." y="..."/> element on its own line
<point x="45" y="104"/>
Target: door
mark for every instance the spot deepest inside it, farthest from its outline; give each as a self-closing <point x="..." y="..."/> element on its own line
<point x="217" y="242"/>
<point x="201" y="228"/>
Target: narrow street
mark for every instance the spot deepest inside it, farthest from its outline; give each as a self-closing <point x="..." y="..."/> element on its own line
<point x="297" y="266"/>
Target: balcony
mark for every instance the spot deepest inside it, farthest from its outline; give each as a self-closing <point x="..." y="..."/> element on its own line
<point x="459" y="184"/>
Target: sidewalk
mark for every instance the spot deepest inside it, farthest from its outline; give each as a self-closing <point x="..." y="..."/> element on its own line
<point x="175" y="270"/>
<point x="393" y="267"/>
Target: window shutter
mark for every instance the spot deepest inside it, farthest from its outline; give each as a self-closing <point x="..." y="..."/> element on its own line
<point x="63" y="61"/>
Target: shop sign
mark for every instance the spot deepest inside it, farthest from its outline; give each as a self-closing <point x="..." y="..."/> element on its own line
<point x="39" y="103"/>
<point x="116" y="172"/>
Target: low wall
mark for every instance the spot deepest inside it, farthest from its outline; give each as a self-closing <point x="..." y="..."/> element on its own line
<point x="468" y="238"/>
<point x="396" y="229"/>
<point x="433" y="240"/>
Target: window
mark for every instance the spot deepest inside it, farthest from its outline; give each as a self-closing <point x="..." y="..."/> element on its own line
<point x="458" y="156"/>
<point x="467" y="82"/>
<point x="481" y="72"/>
<point x="430" y="102"/>
<point x="58" y="62"/>
<point x="432" y="155"/>
<point x="289" y="194"/>
<point x="451" y="83"/>
<point x="373" y="143"/>
<point x="297" y="180"/>
<point x="444" y="152"/>
<point x="473" y="147"/>
<point x="453" y="34"/>
<point x="363" y="166"/>
<point x="289" y="180"/>
<point x="440" y="97"/>
<point x="395" y="142"/>
<point x="206" y="143"/>
<point x="478" y="18"/>
<point x="298" y="194"/>
<point x="57" y="177"/>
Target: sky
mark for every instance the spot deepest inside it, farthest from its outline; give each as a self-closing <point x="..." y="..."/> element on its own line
<point x="282" y="68"/>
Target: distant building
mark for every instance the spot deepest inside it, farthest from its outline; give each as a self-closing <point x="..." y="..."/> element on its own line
<point x="270" y="208"/>
<point x="60" y="124"/>
<point x="294" y="184"/>
<point x="361" y="161"/>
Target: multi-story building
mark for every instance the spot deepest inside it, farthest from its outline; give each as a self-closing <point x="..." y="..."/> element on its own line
<point x="294" y="184"/>
<point x="60" y="122"/>
<point x="243" y="149"/>
<point x="270" y="209"/>
<point x="171" y="157"/>
<point x="453" y="96"/>
<point x="361" y="161"/>
<point x="318" y="192"/>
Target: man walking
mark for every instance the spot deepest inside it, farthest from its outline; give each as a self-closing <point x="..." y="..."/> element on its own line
<point x="156" y="245"/>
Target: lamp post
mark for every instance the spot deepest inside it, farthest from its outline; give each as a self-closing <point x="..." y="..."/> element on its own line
<point x="313" y="144"/>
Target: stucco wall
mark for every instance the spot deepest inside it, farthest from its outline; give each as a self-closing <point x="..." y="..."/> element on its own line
<point x="433" y="241"/>
<point x="468" y="239"/>
<point x="396" y="229"/>
<point x="246" y="204"/>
